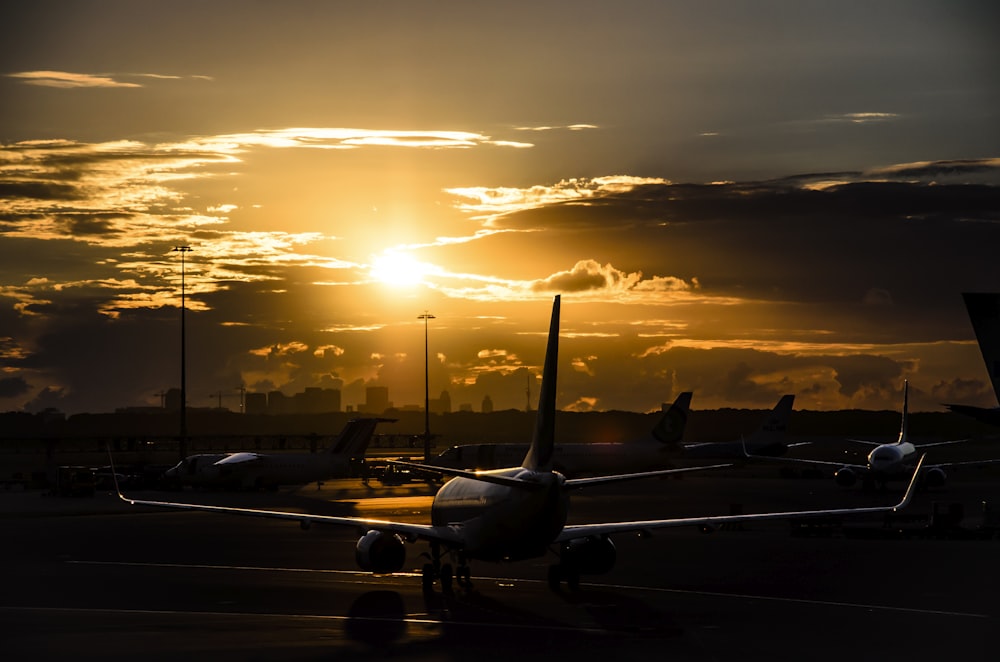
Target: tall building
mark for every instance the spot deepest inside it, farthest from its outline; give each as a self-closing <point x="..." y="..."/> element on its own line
<point x="487" y="404"/>
<point x="376" y="400"/>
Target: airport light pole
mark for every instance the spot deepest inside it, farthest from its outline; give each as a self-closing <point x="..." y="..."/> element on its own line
<point x="183" y="250"/>
<point x="427" y="394"/>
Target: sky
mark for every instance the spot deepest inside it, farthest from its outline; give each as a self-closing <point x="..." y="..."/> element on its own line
<point x="740" y="199"/>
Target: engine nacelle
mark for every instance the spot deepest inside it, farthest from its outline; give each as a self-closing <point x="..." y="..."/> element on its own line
<point x="934" y="477"/>
<point x="845" y="477"/>
<point x="590" y="556"/>
<point x="380" y="552"/>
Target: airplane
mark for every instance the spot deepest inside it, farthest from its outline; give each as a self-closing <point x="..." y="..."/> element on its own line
<point x="886" y="461"/>
<point x="768" y="439"/>
<point x="248" y="470"/>
<point x="510" y="514"/>
<point x="661" y="448"/>
<point x="984" y="313"/>
<point x="573" y="460"/>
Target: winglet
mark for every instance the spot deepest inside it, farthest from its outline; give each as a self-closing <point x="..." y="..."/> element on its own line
<point x="912" y="487"/>
<point x="539" y="456"/>
<point x="114" y="476"/>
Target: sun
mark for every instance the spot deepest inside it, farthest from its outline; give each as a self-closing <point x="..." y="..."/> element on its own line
<point x="399" y="269"/>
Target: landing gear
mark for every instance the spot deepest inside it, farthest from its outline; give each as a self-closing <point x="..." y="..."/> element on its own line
<point x="560" y="572"/>
<point x="444" y="573"/>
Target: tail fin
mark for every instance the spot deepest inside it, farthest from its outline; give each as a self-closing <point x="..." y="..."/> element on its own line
<point x="539" y="457"/>
<point x="904" y="424"/>
<point x="773" y="428"/>
<point x="357" y="434"/>
<point x="670" y="428"/>
<point x="984" y="313"/>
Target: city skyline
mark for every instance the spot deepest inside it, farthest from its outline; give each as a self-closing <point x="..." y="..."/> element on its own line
<point x="736" y="199"/>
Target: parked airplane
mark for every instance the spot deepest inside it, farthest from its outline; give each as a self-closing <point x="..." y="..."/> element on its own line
<point x="247" y="470"/>
<point x="984" y="313"/>
<point x="510" y="514"/>
<point x="887" y="461"/>
<point x="769" y="439"/>
<point x="661" y="448"/>
<point x="573" y="460"/>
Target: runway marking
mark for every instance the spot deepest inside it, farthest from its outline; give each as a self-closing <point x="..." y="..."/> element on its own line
<point x="318" y="617"/>
<point x="653" y="589"/>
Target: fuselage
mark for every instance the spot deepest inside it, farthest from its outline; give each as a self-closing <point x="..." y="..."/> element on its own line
<point x="501" y="523"/>
<point x="887" y="459"/>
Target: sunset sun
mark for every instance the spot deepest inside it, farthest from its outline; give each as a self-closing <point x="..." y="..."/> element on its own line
<point x="399" y="270"/>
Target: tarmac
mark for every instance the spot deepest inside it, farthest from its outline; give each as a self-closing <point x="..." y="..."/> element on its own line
<point x="93" y="578"/>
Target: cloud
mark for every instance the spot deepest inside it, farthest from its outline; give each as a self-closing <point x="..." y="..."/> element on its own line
<point x="71" y="80"/>
<point x="65" y="79"/>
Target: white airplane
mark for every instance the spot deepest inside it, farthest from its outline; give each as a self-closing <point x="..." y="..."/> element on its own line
<point x="648" y="453"/>
<point x="887" y="461"/>
<point x="510" y="514"/>
<point x="247" y="470"/>
<point x="984" y="313"/>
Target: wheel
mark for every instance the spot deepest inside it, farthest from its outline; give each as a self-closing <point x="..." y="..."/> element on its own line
<point x="555" y="576"/>
<point x="427" y="578"/>
<point x="446" y="577"/>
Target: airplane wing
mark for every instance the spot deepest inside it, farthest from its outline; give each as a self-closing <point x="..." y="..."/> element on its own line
<point x="577" y="483"/>
<point x="445" y="534"/>
<point x="573" y="532"/>
<point x="572" y="483"/>
<point x="483" y="476"/>
<point x="238" y="458"/>
<point x="802" y="460"/>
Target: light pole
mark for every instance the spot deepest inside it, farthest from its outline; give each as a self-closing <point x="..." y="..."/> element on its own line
<point x="427" y="394"/>
<point x="183" y="250"/>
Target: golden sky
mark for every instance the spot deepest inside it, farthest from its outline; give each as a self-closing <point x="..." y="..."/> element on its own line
<point x="738" y="199"/>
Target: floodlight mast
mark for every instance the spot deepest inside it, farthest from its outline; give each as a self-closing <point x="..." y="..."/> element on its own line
<point x="427" y="396"/>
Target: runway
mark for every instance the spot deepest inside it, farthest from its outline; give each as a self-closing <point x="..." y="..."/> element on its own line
<point x="113" y="582"/>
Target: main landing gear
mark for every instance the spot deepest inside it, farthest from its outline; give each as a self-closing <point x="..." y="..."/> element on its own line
<point x="445" y="573"/>
<point x="560" y="572"/>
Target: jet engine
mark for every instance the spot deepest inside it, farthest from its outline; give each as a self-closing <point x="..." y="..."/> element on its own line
<point x="380" y="552"/>
<point x="589" y="556"/>
<point x="845" y="477"/>
<point x="934" y="477"/>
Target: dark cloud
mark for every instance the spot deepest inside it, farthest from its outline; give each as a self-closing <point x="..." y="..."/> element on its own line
<point x="12" y="387"/>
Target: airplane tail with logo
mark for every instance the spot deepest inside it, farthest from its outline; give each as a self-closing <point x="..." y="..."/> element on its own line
<point x="539" y="457"/>
<point x="669" y="430"/>
<point x="984" y="313"/>
<point x="771" y="433"/>
<point x="353" y="440"/>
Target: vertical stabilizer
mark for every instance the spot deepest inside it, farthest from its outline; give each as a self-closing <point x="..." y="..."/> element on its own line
<point x="906" y="413"/>
<point x="539" y="457"/>
<point x="773" y="428"/>
<point x="984" y="313"/>
<point x="670" y="428"/>
<point x="353" y="440"/>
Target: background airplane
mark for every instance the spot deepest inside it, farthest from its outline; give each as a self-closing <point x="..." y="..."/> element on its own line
<point x="661" y="448"/>
<point x="573" y="460"/>
<point x="984" y="313"/>
<point x="510" y="514"/>
<point x="887" y="461"/>
<point x="247" y="470"/>
<point x="768" y="439"/>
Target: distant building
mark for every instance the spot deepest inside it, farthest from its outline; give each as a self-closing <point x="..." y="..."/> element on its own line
<point x="376" y="400"/>
<point x="256" y="403"/>
<point x="487" y="404"/>
<point x="441" y="405"/>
